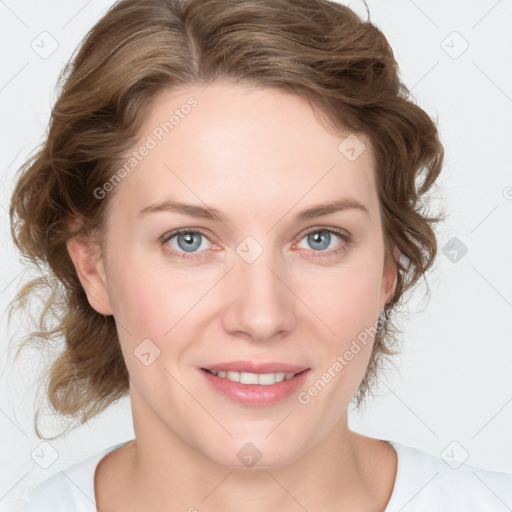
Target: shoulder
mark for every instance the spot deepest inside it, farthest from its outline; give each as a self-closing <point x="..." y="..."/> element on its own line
<point x="424" y="483"/>
<point x="69" y="490"/>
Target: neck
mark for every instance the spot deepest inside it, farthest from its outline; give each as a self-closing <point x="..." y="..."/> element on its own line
<point x="343" y="472"/>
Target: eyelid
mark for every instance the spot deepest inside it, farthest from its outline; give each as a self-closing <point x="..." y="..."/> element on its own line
<point x="331" y="229"/>
<point x="167" y="236"/>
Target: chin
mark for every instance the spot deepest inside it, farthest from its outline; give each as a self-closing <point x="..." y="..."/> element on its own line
<point x="250" y="453"/>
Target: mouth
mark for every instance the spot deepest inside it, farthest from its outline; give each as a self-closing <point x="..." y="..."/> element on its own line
<point x="256" y="384"/>
<point x="263" y="379"/>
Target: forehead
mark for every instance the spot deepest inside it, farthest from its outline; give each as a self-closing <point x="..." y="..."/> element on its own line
<point x="259" y="146"/>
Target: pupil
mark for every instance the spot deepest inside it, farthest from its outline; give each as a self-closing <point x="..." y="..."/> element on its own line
<point x="192" y="241"/>
<point x="318" y="237"/>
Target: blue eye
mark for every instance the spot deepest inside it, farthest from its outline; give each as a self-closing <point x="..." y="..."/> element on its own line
<point x="186" y="240"/>
<point x="189" y="242"/>
<point x="321" y="239"/>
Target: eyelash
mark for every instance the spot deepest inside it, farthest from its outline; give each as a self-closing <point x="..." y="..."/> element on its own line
<point x="346" y="237"/>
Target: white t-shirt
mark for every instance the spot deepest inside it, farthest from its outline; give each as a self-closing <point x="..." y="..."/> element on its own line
<point x="423" y="484"/>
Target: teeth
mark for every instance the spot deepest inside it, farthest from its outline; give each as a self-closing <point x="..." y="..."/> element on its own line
<point x="264" y="379"/>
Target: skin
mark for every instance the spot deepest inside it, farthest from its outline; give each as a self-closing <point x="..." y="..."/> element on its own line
<point x="273" y="157"/>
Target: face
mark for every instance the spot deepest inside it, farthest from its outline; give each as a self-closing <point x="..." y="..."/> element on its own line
<point x="219" y="257"/>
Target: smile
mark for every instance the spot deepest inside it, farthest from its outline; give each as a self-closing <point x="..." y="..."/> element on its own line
<point x="255" y="388"/>
<point x="263" y="379"/>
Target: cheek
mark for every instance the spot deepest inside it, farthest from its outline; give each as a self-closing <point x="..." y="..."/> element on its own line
<point x="345" y="299"/>
<point x="349" y="307"/>
<point x="150" y="300"/>
<point x="137" y="304"/>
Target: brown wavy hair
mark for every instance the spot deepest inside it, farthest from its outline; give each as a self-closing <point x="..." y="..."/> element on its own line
<point x="318" y="50"/>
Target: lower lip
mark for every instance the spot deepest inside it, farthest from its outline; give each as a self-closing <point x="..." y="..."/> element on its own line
<point x="256" y="395"/>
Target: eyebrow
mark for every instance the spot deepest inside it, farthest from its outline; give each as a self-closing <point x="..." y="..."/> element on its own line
<point x="213" y="214"/>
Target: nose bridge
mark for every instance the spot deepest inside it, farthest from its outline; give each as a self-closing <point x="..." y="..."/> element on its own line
<point x="260" y="304"/>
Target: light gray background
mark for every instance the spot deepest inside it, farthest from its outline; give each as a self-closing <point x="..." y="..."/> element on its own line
<point x="454" y="378"/>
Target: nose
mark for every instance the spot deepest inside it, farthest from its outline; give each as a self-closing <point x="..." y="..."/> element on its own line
<point x="260" y="303"/>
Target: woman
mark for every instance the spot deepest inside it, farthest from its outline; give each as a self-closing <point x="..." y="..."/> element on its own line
<point x="230" y="198"/>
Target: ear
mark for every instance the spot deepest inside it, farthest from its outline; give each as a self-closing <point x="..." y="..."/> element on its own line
<point x="89" y="266"/>
<point x="389" y="277"/>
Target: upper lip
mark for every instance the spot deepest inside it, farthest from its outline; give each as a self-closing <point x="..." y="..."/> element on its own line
<point x="257" y="367"/>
